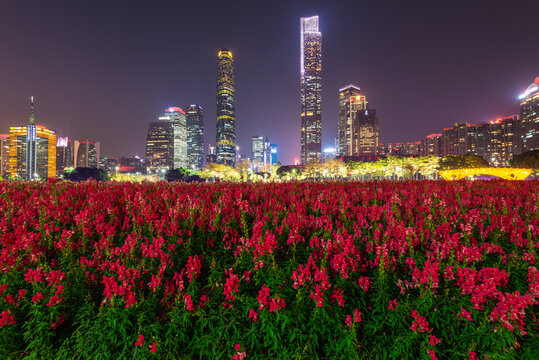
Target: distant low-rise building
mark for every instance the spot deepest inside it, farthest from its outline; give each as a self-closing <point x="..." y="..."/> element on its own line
<point x="431" y="145"/>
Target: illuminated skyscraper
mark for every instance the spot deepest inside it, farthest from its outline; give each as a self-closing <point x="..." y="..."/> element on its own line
<point x="365" y="132"/>
<point x="226" y="113"/>
<point x="4" y="154"/>
<point x="64" y="154"/>
<point x="311" y="90"/>
<point x="166" y="142"/>
<point x="345" y="118"/>
<point x="273" y="151"/>
<point x="195" y="136"/>
<point x="87" y="154"/>
<point x="529" y="110"/>
<point x="257" y="149"/>
<point x="32" y="150"/>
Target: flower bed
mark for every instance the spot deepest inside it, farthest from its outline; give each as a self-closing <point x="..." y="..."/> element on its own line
<point x="297" y="270"/>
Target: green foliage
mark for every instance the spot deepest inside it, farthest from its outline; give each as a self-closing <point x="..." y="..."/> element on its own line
<point x="527" y="160"/>
<point x="84" y="173"/>
<point x="467" y="161"/>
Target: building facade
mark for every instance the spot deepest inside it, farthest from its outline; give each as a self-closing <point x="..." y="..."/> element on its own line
<point x="529" y="112"/>
<point x="404" y="149"/>
<point x="365" y="132"/>
<point x="257" y="149"/>
<point x="64" y="154"/>
<point x="496" y="141"/>
<point x="32" y="150"/>
<point x="195" y="136"/>
<point x="4" y="155"/>
<point x="311" y="90"/>
<point x="431" y="145"/>
<point x="273" y="152"/>
<point x="226" y="109"/>
<point x="359" y="127"/>
<point x="345" y="118"/>
<point x="87" y="153"/>
<point x="166" y="141"/>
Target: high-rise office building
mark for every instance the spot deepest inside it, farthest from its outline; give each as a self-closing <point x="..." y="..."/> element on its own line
<point x="257" y="149"/>
<point x="32" y="150"/>
<point x="4" y="154"/>
<point x="86" y="154"/>
<point x="365" y="132"/>
<point x="359" y="127"/>
<point x="226" y="110"/>
<point x="529" y="111"/>
<point x="64" y="154"/>
<point x="311" y="90"/>
<point x="273" y="152"/>
<point x="166" y="142"/>
<point x="345" y="118"/>
<point x="195" y="136"/>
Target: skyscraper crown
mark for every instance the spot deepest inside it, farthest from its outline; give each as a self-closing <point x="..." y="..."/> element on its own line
<point x="310" y="24"/>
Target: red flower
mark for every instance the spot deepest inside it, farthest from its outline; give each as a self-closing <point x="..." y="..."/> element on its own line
<point x="466" y="314"/>
<point x="6" y="318"/>
<point x="37" y="297"/>
<point x="432" y="354"/>
<point x="153" y="347"/>
<point x="433" y="340"/>
<point x="140" y="340"/>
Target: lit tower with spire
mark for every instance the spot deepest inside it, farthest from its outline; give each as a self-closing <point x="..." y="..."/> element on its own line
<point x="31" y="144"/>
<point x="32" y="150"/>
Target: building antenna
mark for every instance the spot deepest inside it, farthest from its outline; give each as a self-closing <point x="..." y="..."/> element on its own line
<point x="32" y="115"/>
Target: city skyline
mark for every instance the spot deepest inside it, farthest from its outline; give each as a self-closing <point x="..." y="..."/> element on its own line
<point x="401" y="64"/>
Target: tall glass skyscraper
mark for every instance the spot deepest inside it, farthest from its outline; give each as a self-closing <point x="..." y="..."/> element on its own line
<point x="311" y="90"/>
<point x="226" y="115"/>
<point x="529" y="110"/>
<point x="87" y="154"/>
<point x="345" y="118"/>
<point x="195" y="136"/>
<point x="166" y="142"/>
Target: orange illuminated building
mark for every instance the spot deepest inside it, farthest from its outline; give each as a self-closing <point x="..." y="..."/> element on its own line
<point x="32" y="151"/>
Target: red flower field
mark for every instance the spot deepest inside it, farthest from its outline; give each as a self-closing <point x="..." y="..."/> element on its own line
<point x="346" y="270"/>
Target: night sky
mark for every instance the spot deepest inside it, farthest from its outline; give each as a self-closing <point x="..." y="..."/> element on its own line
<point x="102" y="70"/>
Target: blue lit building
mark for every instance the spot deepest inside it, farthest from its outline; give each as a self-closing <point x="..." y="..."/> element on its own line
<point x="273" y="151"/>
